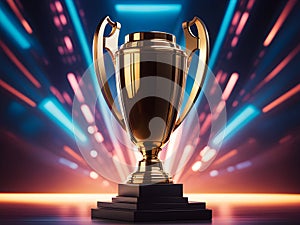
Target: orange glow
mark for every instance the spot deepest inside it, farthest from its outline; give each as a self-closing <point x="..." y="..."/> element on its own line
<point x="282" y="98"/>
<point x="278" y="68"/>
<point x="226" y="157"/>
<point x="283" y="63"/>
<point x="72" y="153"/>
<point x="242" y="23"/>
<point x="230" y="85"/>
<point x="20" y="65"/>
<point x="285" y="12"/>
<point x="15" y="9"/>
<point x="215" y="199"/>
<point x="17" y="93"/>
<point x="74" y="84"/>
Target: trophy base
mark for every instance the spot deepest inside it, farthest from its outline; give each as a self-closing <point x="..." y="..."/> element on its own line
<point x="150" y="203"/>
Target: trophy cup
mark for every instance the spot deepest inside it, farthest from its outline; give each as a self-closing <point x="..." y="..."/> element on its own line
<point x="150" y="93"/>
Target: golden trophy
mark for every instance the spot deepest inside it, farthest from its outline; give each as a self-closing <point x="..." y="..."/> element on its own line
<point x="151" y="72"/>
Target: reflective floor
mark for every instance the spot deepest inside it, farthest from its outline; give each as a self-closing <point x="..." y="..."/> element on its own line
<point x="60" y="209"/>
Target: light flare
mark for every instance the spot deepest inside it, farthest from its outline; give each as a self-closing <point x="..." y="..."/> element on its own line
<point x="285" y="12"/>
<point x="18" y="94"/>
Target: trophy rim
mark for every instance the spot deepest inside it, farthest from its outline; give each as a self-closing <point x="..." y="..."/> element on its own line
<point x="150" y="35"/>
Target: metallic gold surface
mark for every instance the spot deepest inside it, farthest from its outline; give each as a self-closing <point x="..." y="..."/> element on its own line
<point x="149" y="119"/>
<point x="140" y="36"/>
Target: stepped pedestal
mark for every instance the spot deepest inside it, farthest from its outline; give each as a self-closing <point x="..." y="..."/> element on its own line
<point x="149" y="203"/>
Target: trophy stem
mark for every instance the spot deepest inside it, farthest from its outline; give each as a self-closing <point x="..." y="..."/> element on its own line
<point x="150" y="169"/>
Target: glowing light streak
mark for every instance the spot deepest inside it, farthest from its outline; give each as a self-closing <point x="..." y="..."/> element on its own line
<point x="250" y="4"/>
<point x="204" y="151"/>
<point x="72" y="153"/>
<point x="99" y="138"/>
<point x="75" y="86"/>
<point x="57" y="114"/>
<point x="20" y="66"/>
<point x="209" y="155"/>
<point x="239" y="120"/>
<point x="278" y="68"/>
<point x="285" y="139"/>
<point x="243" y="165"/>
<point x="282" y="64"/>
<point x="68" y="43"/>
<point x="226" y="157"/>
<point x="220" y="107"/>
<point x="148" y="8"/>
<point x="234" y="41"/>
<point x="79" y="30"/>
<point x="285" y="12"/>
<point x="206" y="124"/>
<point x="57" y="94"/>
<point x="58" y="6"/>
<point x="14" y="33"/>
<point x="196" y="166"/>
<point x="231" y="199"/>
<point x="87" y="113"/>
<point x="216" y="81"/>
<point x="63" y="19"/>
<point x="67" y="98"/>
<point x="18" y="94"/>
<point x="15" y="9"/>
<point x="281" y="99"/>
<point x="56" y="22"/>
<point x="236" y="18"/>
<point x="230" y="85"/>
<point x="68" y="163"/>
<point x="242" y="23"/>
<point x="222" y="32"/>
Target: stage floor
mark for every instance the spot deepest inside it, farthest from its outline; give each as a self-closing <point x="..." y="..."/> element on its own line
<point x="74" y="209"/>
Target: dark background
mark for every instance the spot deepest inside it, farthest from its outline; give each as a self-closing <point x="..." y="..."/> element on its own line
<point x="31" y="144"/>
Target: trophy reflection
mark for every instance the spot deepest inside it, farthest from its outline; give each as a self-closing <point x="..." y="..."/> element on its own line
<point x="151" y="73"/>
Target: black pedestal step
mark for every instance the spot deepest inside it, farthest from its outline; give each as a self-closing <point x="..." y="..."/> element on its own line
<point x="150" y="205"/>
<point x="158" y="202"/>
<point x="152" y="215"/>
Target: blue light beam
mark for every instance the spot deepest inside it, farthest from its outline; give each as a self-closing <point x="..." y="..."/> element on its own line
<point x="222" y="33"/>
<point x="79" y="31"/>
<point x="57" y="114"/>
<point x="68" y="163"/>
<point x="148" y="8"/>
<point x="239" y="120"/>
<point x="14" y="32"/>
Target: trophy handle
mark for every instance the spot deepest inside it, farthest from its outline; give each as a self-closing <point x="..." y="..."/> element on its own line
<point x="110" y="43"/>
<point x="194" y="43"/>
